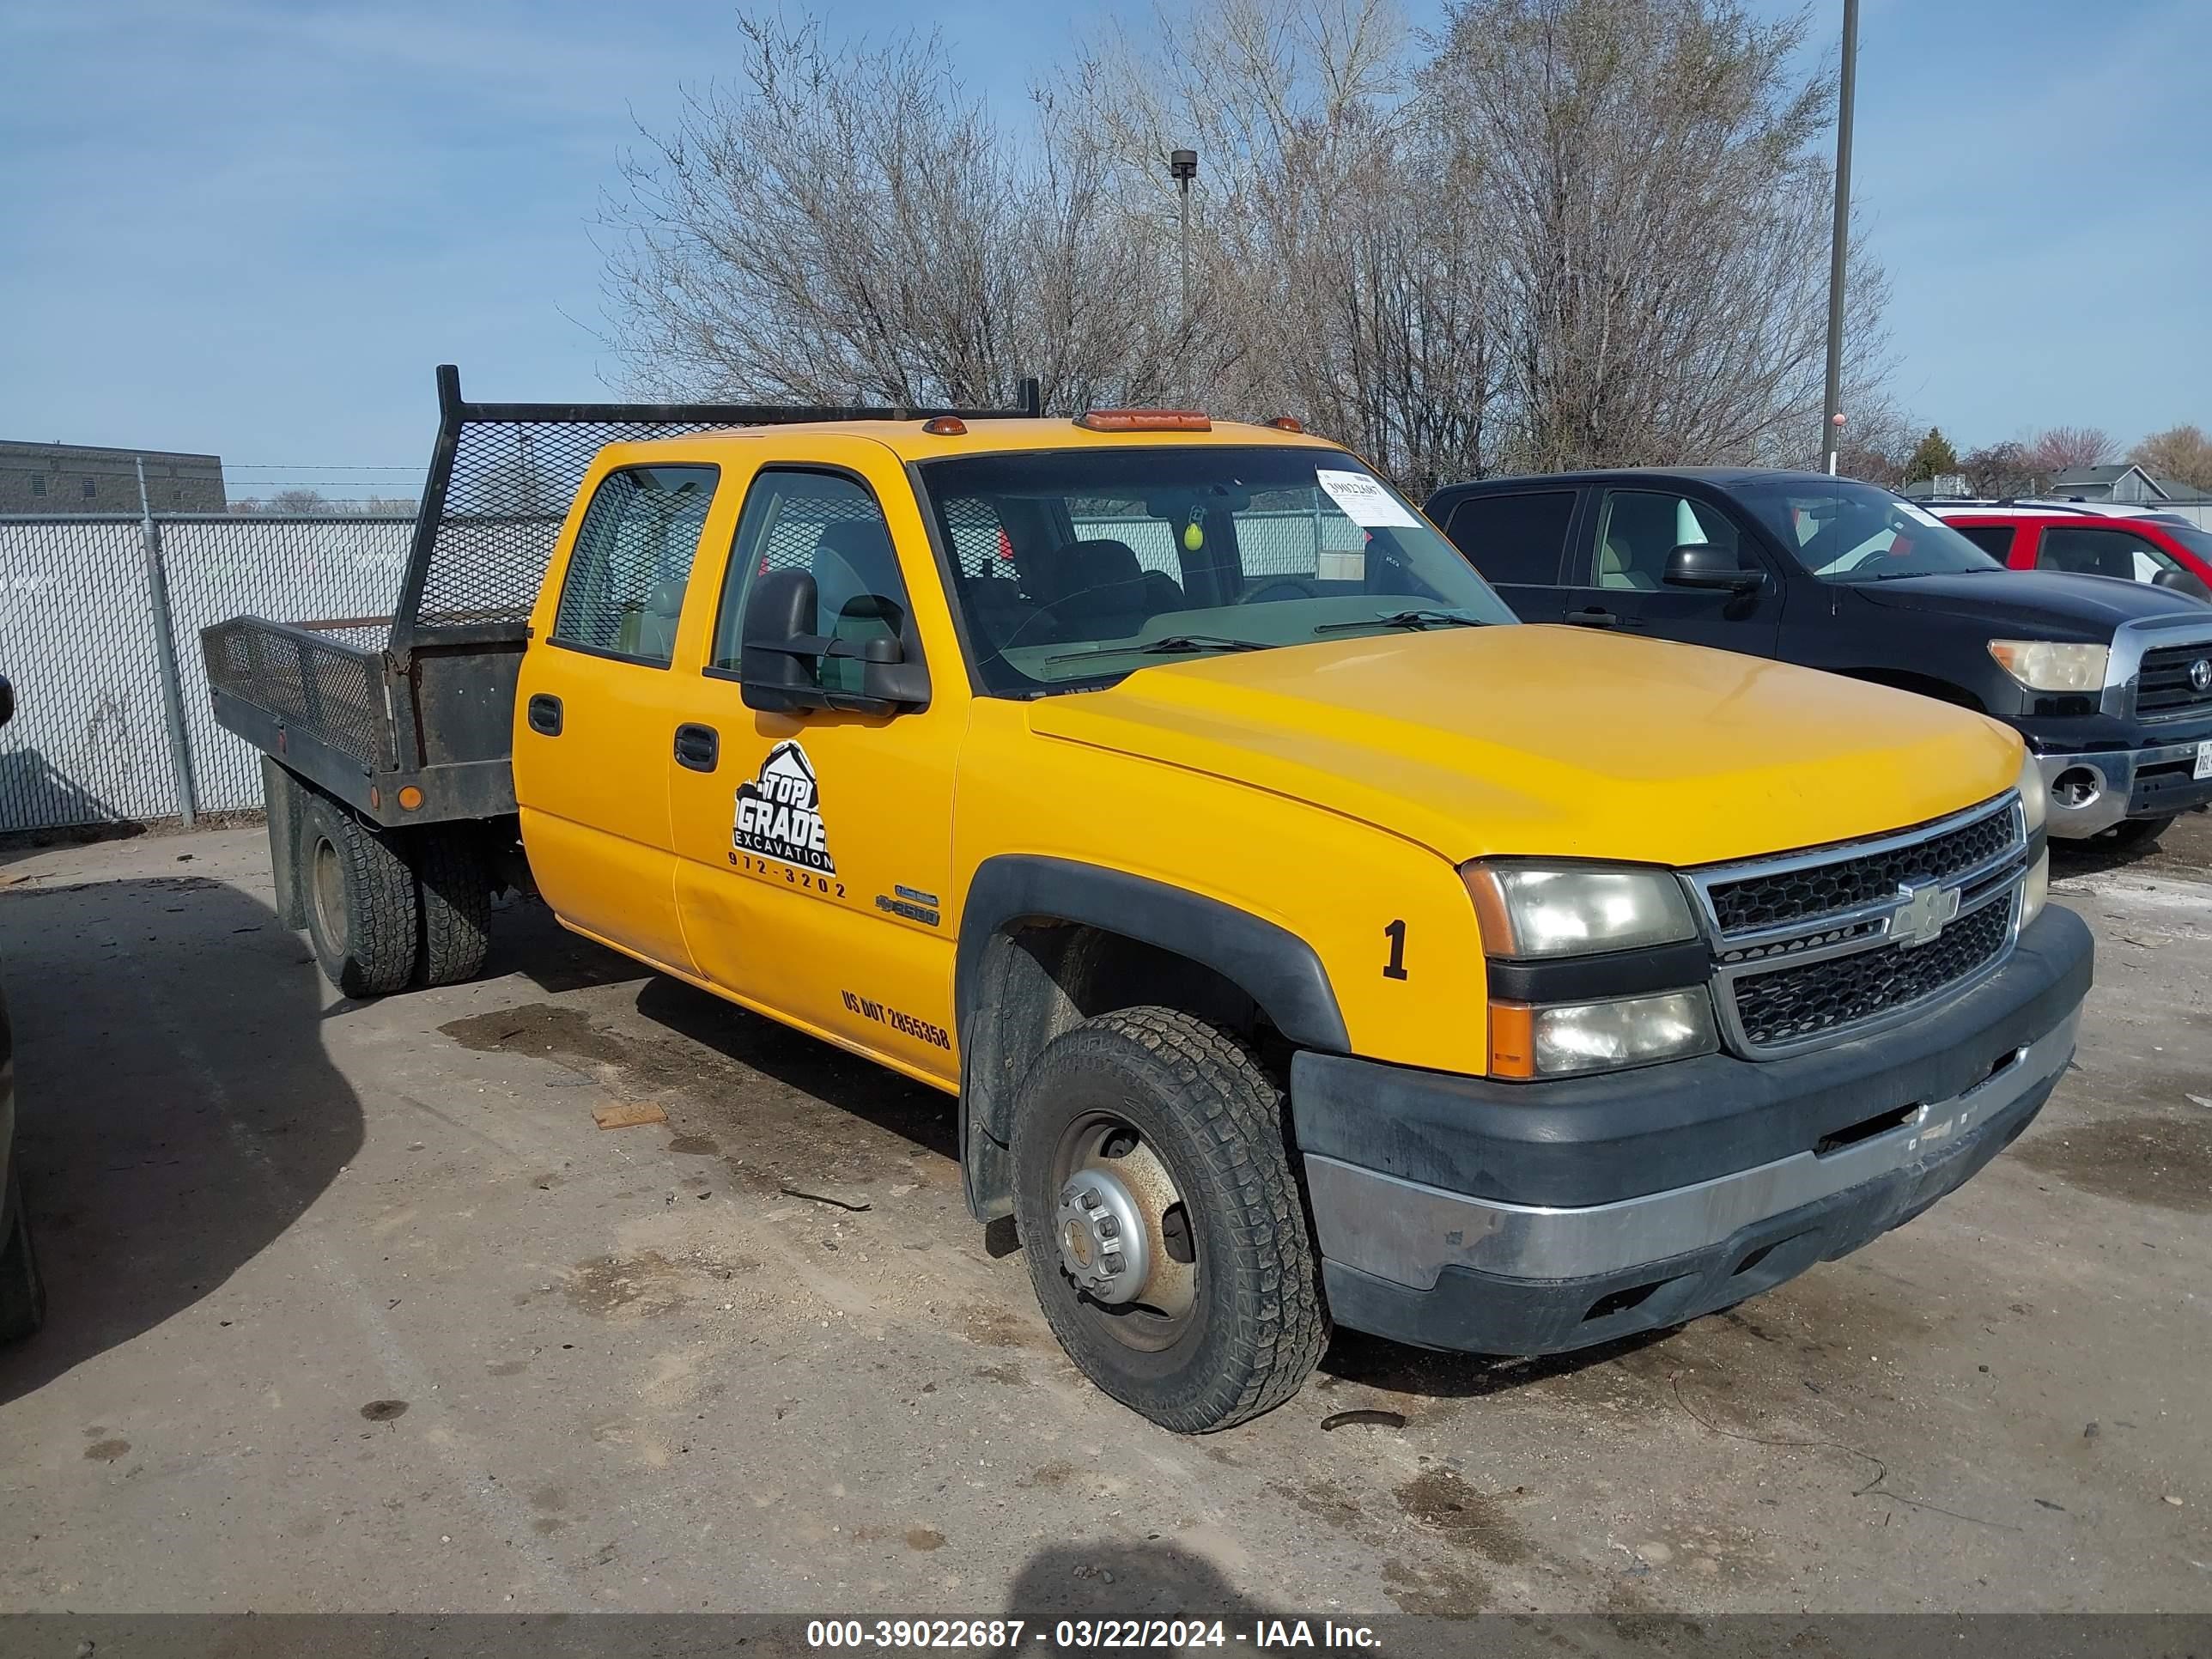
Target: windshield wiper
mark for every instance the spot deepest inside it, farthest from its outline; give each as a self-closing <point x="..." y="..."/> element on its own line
<point x="1174" y="645"/>
<point x="1407" y="619"/>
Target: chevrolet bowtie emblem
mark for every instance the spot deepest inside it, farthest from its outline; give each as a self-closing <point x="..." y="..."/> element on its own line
<point x="1925" y="910"/>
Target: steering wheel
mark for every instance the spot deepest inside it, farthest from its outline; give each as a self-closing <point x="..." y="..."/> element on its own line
<point x="1289" y="587"/>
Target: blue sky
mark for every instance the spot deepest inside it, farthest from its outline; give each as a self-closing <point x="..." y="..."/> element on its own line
<point x="253" y="228"/>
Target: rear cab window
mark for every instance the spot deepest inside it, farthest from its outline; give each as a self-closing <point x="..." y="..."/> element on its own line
<point x="1994" y="539"/>
<point x="623" y="591"/>
<point x="1515" y="540"/>
<point x="2102" y="550"/>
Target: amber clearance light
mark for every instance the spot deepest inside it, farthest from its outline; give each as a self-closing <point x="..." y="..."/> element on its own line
<point x="1144" y="420"/>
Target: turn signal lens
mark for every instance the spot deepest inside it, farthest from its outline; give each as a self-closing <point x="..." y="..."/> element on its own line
<point x="409" y="797"/>
<point x="1512" y="1042"/>
<point x="1145" y="420"/>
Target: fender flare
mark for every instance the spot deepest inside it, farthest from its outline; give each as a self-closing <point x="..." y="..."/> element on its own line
<point x="1280" y="971"/>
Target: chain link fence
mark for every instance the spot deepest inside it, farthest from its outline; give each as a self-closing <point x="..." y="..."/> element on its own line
<point x="80" y="597"/>
<point x="80" y="642"/>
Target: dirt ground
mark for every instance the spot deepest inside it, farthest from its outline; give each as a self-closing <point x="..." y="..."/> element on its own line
<point x="355" y="1308"/>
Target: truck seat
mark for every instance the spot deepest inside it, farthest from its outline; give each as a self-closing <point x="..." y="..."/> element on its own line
<point x="1091" y="590"/>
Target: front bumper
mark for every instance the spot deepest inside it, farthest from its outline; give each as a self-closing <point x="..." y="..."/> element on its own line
<point x="2153" y="781"/>
<point x="1456" y="1212"/>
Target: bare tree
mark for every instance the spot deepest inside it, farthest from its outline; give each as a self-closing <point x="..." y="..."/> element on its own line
<point x="1878" y="441"/>
<point x="1652" y="169"/>
<point x="2180" y="453"/>
<point x="2002" y="470"/>
<point x="849" y="223"/>
<point x="1564" y="232"/>
<point x="299" y="504"/>
<point x="2060" y="448"/>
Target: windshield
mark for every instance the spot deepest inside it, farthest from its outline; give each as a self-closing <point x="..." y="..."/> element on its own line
<point x="2198" y="542"/>
<point x="1074" y="568"/>
<point x="1844" y="532"/>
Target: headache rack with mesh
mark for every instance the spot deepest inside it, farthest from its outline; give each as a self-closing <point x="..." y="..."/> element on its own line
<point x="424" y="700"/>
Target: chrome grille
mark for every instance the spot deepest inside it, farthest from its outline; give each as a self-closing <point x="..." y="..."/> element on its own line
<point x="1804" y="892"/>
<point x="1840" y="939"/>
<point x="1821" y="997"/>
<point x="2167" y="688"/>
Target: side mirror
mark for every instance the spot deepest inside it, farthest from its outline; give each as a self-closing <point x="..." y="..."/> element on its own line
<point x="780" y="655"/>
<point x="7" y="700"/>
<point x="2174" y="580"/>
<point x="1700" y="564"/>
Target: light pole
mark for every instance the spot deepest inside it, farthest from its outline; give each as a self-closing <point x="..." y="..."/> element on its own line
<point x="1839" y="248"/>
<point x="1182" y="167"/>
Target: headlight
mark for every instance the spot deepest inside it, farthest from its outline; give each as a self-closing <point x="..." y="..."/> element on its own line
<point x="1599" y="1036"/>
<point x="2041" y="665"/>
<point x="1567" y="909"/>
<point x="2034" y="797"/>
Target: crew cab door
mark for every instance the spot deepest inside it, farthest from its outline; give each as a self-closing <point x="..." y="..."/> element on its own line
<point x="1617" y="574"/>
<point x="595" y="704"/>
<point x="814" y="849"/>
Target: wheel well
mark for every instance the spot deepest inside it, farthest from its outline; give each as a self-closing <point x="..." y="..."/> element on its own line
<point x="1041" y="976"/>
<point x="1926" y="685"/>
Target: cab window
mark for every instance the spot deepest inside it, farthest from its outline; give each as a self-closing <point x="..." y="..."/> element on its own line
<point x="623" y="589"/>
<point x="2087" y="551"/>
<point x="1994" y="539"/>
<point x="1514" y="540"/>
<point x="831" y="526"/>
<point x="1639" y="529"/>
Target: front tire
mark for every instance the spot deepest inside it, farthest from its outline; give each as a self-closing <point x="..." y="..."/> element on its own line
<point x="363" y="912"/>
<point x="22" y="1290"/>
<point x="1200" y="1320"/>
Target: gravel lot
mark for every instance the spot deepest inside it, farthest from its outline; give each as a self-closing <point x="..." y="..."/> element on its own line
<point x="355" y="1308"/>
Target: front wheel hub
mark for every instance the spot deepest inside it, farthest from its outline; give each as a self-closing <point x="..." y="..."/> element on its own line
<point x="1104" y="1242"/>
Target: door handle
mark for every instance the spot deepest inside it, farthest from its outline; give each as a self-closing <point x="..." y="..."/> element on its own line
<point x="1594" y="616"/>
<point x="545" y="715"/>
<point x="699" y="747"/>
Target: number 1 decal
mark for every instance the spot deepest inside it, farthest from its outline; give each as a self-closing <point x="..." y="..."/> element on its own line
<point x="1395" y="968"/>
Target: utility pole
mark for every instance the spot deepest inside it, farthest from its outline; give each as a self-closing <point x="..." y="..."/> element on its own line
<point x="1839" y="250"/>
<point x="1182" y="167"/>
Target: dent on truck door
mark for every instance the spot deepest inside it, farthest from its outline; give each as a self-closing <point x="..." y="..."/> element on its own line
<point x="815" y="855"/>
<point x="594" y="713"/>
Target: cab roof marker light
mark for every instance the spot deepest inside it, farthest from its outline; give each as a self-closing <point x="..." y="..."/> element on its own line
<point x="1145" y="420"/>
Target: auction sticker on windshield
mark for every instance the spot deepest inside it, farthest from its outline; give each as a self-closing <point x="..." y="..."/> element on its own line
<point x="1363" y="499"/>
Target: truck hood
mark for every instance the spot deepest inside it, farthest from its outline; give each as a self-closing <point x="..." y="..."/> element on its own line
<point x="1555" y="741"/>
<point x="2043" y="604"/>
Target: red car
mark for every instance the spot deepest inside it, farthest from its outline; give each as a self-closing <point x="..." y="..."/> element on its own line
<point x="2134" y="543"/>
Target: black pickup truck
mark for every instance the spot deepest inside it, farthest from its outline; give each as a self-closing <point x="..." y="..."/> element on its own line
<point x="2110" y="682"/>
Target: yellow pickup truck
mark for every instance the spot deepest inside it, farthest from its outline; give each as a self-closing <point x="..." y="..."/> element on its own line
<point x="1304" y="939"/>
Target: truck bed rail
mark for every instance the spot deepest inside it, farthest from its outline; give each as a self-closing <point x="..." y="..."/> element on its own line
<point x="501" y="482"/>
<point x="408" y="719"/>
